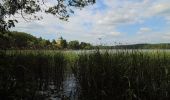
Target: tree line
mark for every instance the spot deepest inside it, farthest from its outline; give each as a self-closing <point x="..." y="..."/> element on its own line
<point x="145" y="46"/>
<point x="21" y="40"/>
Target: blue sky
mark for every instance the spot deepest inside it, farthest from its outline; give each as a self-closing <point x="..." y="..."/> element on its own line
<point x="121" y="21"/>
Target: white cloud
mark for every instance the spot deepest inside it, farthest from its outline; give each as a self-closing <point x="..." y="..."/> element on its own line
<point x="88" y="25"/>
<point x="160" y="8"/>
<point x="114" y="34"/>
<point x="166" y="36"/>
<point x="144" y="30"/>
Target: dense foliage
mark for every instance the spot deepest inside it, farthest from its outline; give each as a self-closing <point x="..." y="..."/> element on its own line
<point x="28" y="9"/>
<point x="21" y="40"/>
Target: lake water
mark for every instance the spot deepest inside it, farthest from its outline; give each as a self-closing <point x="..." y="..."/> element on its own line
<point x="68" y="91"/>
<point x="117" y="50"/>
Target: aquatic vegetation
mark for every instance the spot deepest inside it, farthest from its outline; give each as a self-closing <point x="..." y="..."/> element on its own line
<point x="99" y="75"/>
<point x="30" y="75"/>
<point x="123" y="75"/>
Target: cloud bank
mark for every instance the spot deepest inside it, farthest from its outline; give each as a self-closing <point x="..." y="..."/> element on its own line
<point x="110" y="20"/>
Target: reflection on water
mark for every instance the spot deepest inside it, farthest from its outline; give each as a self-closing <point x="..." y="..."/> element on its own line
<point x="67" y="91"/>
<point x="69" y="88"/>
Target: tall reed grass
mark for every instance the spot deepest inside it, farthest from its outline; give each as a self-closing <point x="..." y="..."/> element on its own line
<point x="100" y="75"/>
<point x="30" y="75"/>
<point x="133" y="75"/>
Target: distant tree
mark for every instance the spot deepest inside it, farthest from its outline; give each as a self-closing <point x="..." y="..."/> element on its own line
<point x="48" y="42"/>
<point x="62" y="9"/>
<point x="43" y="43"/>
<point x="22" y="40"/>
<point x="88" y="46"/>
<point x="63" y="44"/>
<point x="40" y="39"/>
<point x="30" y="44"/>
<point x="73" y="44"/>
<point x="53" y="42"/>
<point x="84" y="45"/>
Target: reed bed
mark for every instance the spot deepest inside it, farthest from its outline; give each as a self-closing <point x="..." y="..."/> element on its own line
<point x="30" y="75"/>
<point x="100" y="75"/>
<point x="133" y="75"/>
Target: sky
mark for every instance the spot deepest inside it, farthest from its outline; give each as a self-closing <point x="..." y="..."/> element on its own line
<point x="107" y="22"/>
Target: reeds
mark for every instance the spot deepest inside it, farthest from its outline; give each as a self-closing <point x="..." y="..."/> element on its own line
<point x="133" y="75"/>
<point x="100" y="75"/>
<point x="30" y="75"/>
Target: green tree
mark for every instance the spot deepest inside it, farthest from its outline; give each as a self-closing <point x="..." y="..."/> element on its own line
<point x="88" y="46"/>
<point x="63" y="44"/>
<point x="22" y="40"/>
<point x="48" y="44"/>
<point x="84" y="45"/>
<point x="73" y="44"/>
<point x="53" y="42"/>
<point x="62" y="9"/>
